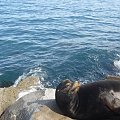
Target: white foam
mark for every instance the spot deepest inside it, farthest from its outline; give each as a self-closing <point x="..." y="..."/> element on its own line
<point x="117" y="64"/>
<point x="19" y="79"/>
<point x="118" y="55"/>
<point x="119" y="74"/>
<point x="1" y="73"/>
<point x="37" y="72"/>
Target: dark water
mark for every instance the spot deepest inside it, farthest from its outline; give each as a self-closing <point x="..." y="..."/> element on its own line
<point x="59" y="39"/>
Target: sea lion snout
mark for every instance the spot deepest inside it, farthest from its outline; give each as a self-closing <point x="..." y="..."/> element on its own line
<point x="69" y="87"/>
<point x="75" y="87"/>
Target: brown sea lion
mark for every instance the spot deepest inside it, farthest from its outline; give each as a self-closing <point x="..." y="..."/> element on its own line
<point x="93" y="101"/>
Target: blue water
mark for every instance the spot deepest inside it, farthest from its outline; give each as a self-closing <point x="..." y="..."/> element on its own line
<point x="59" y="39"/>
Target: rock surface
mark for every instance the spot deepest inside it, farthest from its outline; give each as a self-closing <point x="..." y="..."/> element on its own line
<point x="28" y="101"/>
<point x="9" y="95"/>
<point x="37" y="104"/>
<point x="110" y="77"/>
<point x="33" y="106"/>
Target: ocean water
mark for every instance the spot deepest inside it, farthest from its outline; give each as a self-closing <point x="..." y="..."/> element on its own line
<point x="59" y="39"/>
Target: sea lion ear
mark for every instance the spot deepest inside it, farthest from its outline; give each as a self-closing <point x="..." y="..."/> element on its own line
<point x="110" y="77"/>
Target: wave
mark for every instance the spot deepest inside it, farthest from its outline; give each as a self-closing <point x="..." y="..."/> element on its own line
<point x="1" y="73"/>
<point x="36" y="72"/>
<point x="117" y="64"/>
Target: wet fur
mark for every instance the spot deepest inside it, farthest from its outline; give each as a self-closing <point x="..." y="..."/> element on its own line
<point x="92" y="101"/>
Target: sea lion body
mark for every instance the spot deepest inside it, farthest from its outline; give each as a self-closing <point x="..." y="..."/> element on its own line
<point x="97" y="100"/>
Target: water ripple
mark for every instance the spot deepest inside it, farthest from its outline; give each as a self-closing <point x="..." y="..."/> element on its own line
<point x="77" y="40"/>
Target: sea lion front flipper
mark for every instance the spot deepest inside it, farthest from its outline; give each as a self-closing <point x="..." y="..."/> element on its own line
<point x="111" y="101"/>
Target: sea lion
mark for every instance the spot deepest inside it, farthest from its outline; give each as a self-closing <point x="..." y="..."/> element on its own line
<point x="93" y="101"/>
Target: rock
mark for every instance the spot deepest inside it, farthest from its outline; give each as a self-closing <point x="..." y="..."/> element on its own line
<point x="45" y="113"/>
<point x="110" y="77"/>
<point x="9" y="95"/>
<point x="34" y="106"/>
<point x="27" y="101"/>
<point x="27" y="83"/>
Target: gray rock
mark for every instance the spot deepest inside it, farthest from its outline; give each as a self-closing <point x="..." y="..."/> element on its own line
<point x="33" y="107"/>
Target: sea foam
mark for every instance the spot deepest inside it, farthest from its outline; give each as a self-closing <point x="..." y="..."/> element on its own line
<point x="117" y="64"/>
<point x="37" y="72"/>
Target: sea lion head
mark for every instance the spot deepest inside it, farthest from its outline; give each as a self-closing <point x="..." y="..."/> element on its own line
<point x="65" y="93"/>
